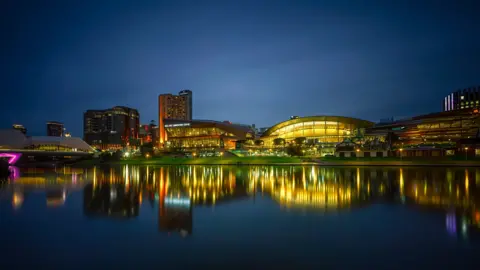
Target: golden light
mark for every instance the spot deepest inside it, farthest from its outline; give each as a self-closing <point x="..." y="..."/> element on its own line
<point x="358" y="150"/>
<point x="466" y="148"/>
<point x="401" y="149"/>
<point x="221" y="153"/>
<point x="147" y="155"/>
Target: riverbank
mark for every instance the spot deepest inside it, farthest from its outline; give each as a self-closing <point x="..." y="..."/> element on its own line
<point x="279" y="161"/>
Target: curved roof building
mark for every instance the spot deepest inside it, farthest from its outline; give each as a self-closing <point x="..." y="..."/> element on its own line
<point x="205" y="134"/>
<point x="11" y="139"/>
<point x="320" y="129"/>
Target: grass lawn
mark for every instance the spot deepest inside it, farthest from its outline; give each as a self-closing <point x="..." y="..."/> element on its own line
<point x="280" y="160"/>
<point x="204" y="161"/>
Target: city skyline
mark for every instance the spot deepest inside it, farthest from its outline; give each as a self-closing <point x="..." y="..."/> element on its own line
<point x="255" y="63"/>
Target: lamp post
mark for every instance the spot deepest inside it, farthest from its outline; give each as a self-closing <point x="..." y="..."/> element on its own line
<point x="358" y="152"/>
<point x="466" y="153"/>
<point x="401" y="154"/>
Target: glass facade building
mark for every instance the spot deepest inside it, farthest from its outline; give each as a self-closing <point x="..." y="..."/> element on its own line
<point x="204" y="135"/>
<point x="317" y="130"/>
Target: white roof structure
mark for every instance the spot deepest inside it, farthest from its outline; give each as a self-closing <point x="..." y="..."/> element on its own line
<point x="12" y="139"/>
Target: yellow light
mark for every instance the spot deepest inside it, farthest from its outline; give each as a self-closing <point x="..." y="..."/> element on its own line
<point x="466" y="148"/>
<point x="147" y="155"/>
<point x="358" y="150"/>
<point x="401" y="149"/>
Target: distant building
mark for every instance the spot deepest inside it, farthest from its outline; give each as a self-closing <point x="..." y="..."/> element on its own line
<point x="111" y="128"/>
<point x="178" y="107"/>
<point x="20" y="127"/>
<point x="148" y="133"/>
<point x="462" y="99"/>
<point x="55" y="129"/>
<point x="260" y="131"/>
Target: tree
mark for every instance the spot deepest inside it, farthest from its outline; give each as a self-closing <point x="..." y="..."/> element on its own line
<point x="300" y="140"/>
<point x="146" y="148"/>
<point x="258" y="142"/>
<point x="279" y="142"/>
<point x="294" y="150"/>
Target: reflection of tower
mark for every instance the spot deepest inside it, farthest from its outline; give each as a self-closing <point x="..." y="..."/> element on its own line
<point x="175" y="214"/>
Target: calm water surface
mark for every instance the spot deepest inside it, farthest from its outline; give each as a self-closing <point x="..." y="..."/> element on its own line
<point x="241" y="218"/>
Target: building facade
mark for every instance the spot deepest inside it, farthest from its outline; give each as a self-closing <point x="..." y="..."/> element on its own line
<point x="322" y="133"/>
<point x="177" y="107"/>
<point x="204" y="135"/>
<point x="55" y="129"/>
<point x="112" y="128"/>
<point x="148" y="133"/>
<point x="434" y="134"/>
<point x="462" y="99"/>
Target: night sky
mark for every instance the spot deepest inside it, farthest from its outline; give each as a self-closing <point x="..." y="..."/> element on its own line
<point x="253" y="62"/>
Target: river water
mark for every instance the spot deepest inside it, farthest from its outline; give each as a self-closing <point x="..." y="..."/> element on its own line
<point x="264" y="217"/>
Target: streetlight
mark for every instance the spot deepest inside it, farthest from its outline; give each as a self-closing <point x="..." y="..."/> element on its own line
<point x="401" y="154"/>
<point x="466" y="152"/>
<point x="221" y="155"/>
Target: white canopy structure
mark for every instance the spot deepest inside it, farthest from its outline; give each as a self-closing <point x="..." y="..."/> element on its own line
<point x="11" y="139"/>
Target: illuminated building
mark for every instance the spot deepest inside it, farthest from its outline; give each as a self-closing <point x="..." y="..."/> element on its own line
<point x="14" y="144"/>
<point x="148" y="133"/>
<point x="431" y="135"/>
<point x="204" y="135"/>
<point x="177" y="107"/>
<point x="111" y="128"/>
<point x="462" y="99"/>
<point x="55" y="129"/>
<point x="320" y="131"/>
<point x="20" y="127"/>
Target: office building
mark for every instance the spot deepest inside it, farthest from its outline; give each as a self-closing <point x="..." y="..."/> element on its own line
<point x="112" y="128"/>
<point x="187" y="94"/>
<point x="462" y="99"/>
<point x="178" y="107"/>
<point x="55" y="129"/>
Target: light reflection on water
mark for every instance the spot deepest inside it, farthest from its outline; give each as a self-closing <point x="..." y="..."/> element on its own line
<point x="119" y="191"/>
<point x="278" y="205"/>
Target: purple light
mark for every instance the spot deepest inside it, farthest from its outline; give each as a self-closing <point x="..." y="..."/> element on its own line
<point x="13" y="157"/>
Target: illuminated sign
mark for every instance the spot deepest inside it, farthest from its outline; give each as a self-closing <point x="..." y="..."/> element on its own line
<point x="178" y="125"/>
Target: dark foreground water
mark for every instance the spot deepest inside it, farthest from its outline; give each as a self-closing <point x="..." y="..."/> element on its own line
<point x="194" y="217"/>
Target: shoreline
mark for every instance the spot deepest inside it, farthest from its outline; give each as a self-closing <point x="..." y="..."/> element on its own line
<point x="285" y="162"/>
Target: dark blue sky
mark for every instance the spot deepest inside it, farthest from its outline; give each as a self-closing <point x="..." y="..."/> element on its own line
<point x="245" y="61"/>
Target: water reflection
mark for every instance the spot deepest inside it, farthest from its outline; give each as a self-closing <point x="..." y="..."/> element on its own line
<point x="120" y="192"/>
